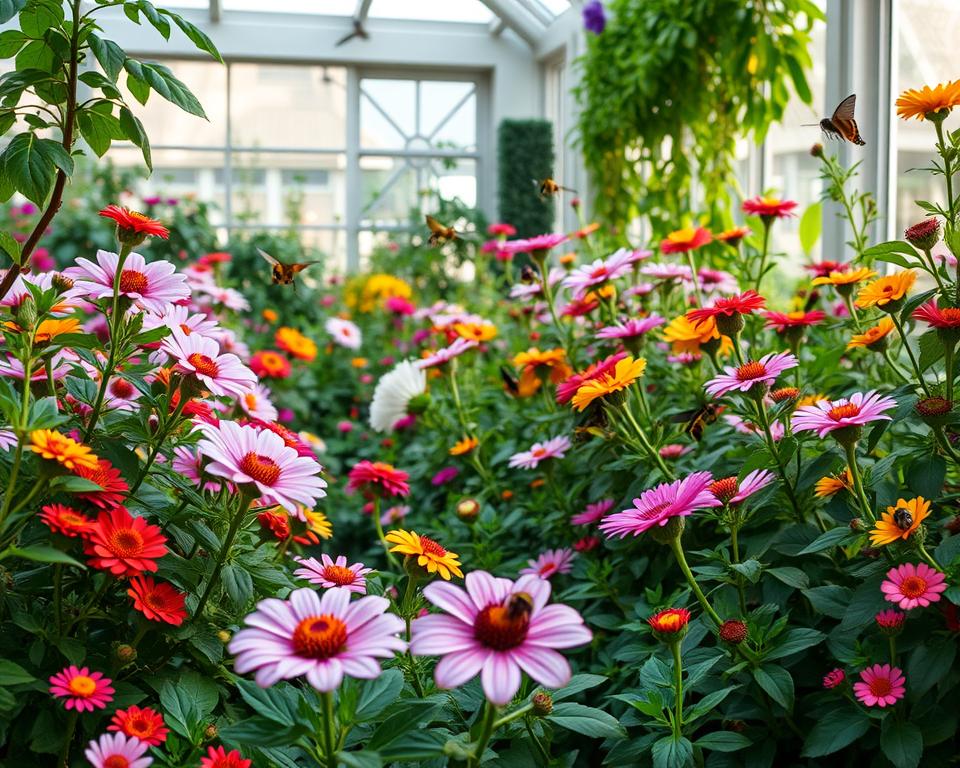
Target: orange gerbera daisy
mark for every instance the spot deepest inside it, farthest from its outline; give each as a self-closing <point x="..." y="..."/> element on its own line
<point x="292" y="341"/>
<point x="49" y="329"/>
<point x="428" y="554"/>
<point x="927" y="103"/>
<point x="900" y="521"/>
<point x="132" y="223"/>
<point x="475" y="331"/>
<point x="733" y="236"/>
<point x="872" y="338"/>
<point x="464" y="446"/>
<point x="686" y="239"/>
<point x="553" y="359"/>
<point x="685" y="335"/>
<point x="627" y="371"/>
<point x="833" y="484"/>
<point x="50" y="444"/>
<point x="844" y="281"/>
<point x="885" y="291"/>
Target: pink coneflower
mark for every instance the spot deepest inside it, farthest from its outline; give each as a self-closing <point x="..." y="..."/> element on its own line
<point x="880" y="686"/>
<point x="256" y="403"/>
<point x="11" y="367"/>
<point x="199" y="357"/>
<point x="150" y="286"/>
<point x="394" y="514"/>
<point x="551" y="562"/>
<point x="188" y="462"/>
<point x="827" y="416"/>
<point x="833" y="678"/>
<point x="777" y="430"/>
<point x="83" y="690"/>
<point x="329" y="573"/>
<point x="635" y="326"/>
<point x="554" y="448"/>
<point x="717" y="281"/>
<point x="344" y="333"/>
<point x="445" y="355"/>
<point x="601" y="271"/>
<point x="290" y="438"/>
<point x="117" y="750"/>
<point x="320" y="638"/>
<point x="742" y="378"/>
<point x="729" y="491"/>
<point x="657" y="505"/>
<point x="912" y="586"/>
<point x="229" y="298"/>
<point x="248" y="456"/>
<point x="498" y="629"/>
<point x="534" y="244"/>
<point x="592" y="512"/>
<point x="444" y="476"/>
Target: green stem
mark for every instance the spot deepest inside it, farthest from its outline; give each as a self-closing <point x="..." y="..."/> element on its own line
<point x="775" y="452"/>
<point x="696" y="278"/>
<point x="169" y="424"/>
<point x="515" y="715"/>
<point x="948" y="356"/>
<point x="763" y="253"/>
<point x="936" y="274"/>
<point x="735" y="545"/>
<point x="913" y="359"/>
<point x="12" y="480"/>
<point x="948" y="175"/>
<point x="486" y="731"/>
<point x="926" y="556"/>
<point x="328" y="729"/>
<point x="851" y="451"/>
<point x="377" y="502"/>
<point x="678" y="686"/>
<point x="651" y="451"/>
<point x="677" y="548"/>
<point x="64" y="758"/>
<point x="235" y="524"/>
<point x="895" y="368"/>
<point x="51" y="384"/>
<point x="851" y="308"/>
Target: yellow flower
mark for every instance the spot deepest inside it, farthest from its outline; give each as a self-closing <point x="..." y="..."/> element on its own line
<point x="292" y="341"/>
<point x="686" y="336"/>
<point x="359" y="362"/>
<point x="50" y="444"/>
<point x="530" y="383"/>
<point x="928" y="101"/>
<point x="429" y="554"/>
<point x="872" y="336"/>
<point x="317" y="522"/>
<point x="900" y="521"/>
<point x="884" y="290"/>
<point x="475" y="331"/>
<point x="464" y="446"/>
<point x="833" y="484"/>
<point x="269" y="315"/>
<point x="845" y="278"/>
<point x="624" y="374"/>
<point x="554" y="359"/>
<point x="372" y="292"/>
<point x="811" y="399"/>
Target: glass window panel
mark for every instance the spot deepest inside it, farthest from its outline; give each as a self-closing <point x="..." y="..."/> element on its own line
<point x="387" y="113"/>
<point x="556" y="7"/>
<point x="928" y="31"/>
<point x="432" y="10"/>
<point x="275" y="105"/>
<point x="391" y="188"/>
<point x="167" y="124"/>
<point x="448" y="113"/>
<point x="325" y="7"/>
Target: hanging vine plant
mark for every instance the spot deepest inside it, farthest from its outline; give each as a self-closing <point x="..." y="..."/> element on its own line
<point x="667" y="89"/>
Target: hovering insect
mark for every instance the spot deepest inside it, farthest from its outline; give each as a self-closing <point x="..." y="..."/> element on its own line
<point x="510" y="382"/>
<point x="698" y="419"/>
<point x="841" y="125"/>
<point x="902" y="518"/>
<point x="519" y="606"/>
<point x="283" y="274"/>
<point x="439" y="234"/>
<point x="549" y="187"/>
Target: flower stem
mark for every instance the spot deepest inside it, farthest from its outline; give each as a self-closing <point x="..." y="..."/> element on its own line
<point x="895" y="368"/>
<point x="775" y="452"/>
<point x="515" y="715"/>
<point x="651" y="451"/>
<point x="927" y="556"/>
<point x="168" y="426"/>
<point x="735" y="546"/>
<point x="377" y="502"/>
<point x="913" y="359"/>
<point x="678" y="685"/>
<point x="763" y="253"/>
<point x="328" y="728"/>
<point x="677" y="548"/>
<point x="695" y="277"/>
<point x="64" y="758"/>
<point x="235" y="524"/>
<point x="486" y="731"/>
<point x="851" y="450"/>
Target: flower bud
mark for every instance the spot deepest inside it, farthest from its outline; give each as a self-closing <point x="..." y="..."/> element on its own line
<point x="468" y="510"/>
<point x="223" y="636"/>
<point x="670" y="624"/>
<point x="890" y="622"/>
<point x="26" y="314"/>
<point x="542" y="703"/>
<point x="856" y="524"/>
<point x="665" y="534"/>
<point x="730" y="325"/>
<point x="124" y="654"/>
<point x="833" y="678"/>
<point x="816" y="150"/>
<point x="210" y="732"/>
<point x="935" y="411"/>
<point x="61" y="283"/>
<point x="923" y="235"/>
<point x="733" y="631"/>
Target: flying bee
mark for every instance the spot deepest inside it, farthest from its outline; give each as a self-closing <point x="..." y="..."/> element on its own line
<point x="440" y="234"/>
<point x="902" y="518"/>
<point x="519" y="606"/>
<point x="528" y="275"/>
<point x="549" y="187"/>
<point x="283" y="274"/>
<point x="510" y="382"/>
<point x="699" y="419"/>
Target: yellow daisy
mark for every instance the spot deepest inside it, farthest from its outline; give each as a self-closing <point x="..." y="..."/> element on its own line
<point x="430" y="555"/>
<point x="627" y="371"/>
<point x="900" y="521"/>
<point x="50" y="444"/>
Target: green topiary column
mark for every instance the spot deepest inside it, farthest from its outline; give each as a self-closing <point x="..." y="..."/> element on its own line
<point x="525" y="154"/>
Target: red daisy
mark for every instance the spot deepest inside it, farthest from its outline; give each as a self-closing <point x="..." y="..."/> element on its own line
<point x="218" y="757"/>
<point x="781" y="321"/>
<point x="728" y="306"/>
<point x="113" y="487"/>
<point x="733" y="236"/>
<point x="60" y="518"/>
<point x="123" y="544"/>
<point x="568" y="388"/>
<point x="378" y="478"/>
<point x="769" y="207"/>
<point x="134" y="222"/>
<point x="276" y="521"/>
<point x="145" y="724"/>
<point x="824" y="268"/>
<point x="158" y="601"/>
<point x="686" y="239"/>
<point x="938" y="317"/>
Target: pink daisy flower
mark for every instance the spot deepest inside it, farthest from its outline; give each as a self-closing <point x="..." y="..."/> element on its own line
<point x="551" y="562"/>
<point x="344" y="333"/>
<point x="229" y="298"/>
<point x="149" y="286"/>
<point x="744" y="427"/>
<point x="880" y="686"/>
<point x="827" y="416"/>
<point x="200" y="357"/>
<point x="246" y="455"/>
<point x="11" y="367"/>
<point x="731" y="492"/>
<point x="117" y="750"/>
<point x="674" y="450"/>
<point x="179" y="316"/>
<point x="526" y="290"/>
<point x="394" y="514"/>
<point x="83" y="690"/>
<point x="447" y="354"/>
<point x="329" y="573"/>
<point x="66" y="301"/>
<point x="717" y="281"/>
<point x="912" y="586"/>
<point x="532" y="244"/>
<point x="667" y="272"/>
<point x="833" y="678"/>
<point x="554" y="448"/>
<point x="635" y="326"/>
<point x="444" y="476"/>
<point x="592" y="512"/>
<point x="742" y="378"/>
<point x="601" y="271"/>
<point x="498" y="629"/>
<point x="256" y="403"/>
<point x="320" y="638"/>
<point x="189" y="463"/>
<point x="657" y="505"/>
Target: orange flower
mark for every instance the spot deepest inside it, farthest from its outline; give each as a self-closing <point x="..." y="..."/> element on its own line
<point x="885" y="290"/>
<point x="871" y="337"/>
<point x="811" y="399"/>
<point x="624" y="374"/>
<point x="839" y="279"/>
<point x="135" y="223"/>
<point x="686" y="239"/>
<point x="530" y="383"/>
<point x="50" y="444"/>
<point x="733" y="236"/>
<point x="270" y="315"/>
<point x="49" y="329"/>
<point x="687" y="336"/>
<point x="553" y="359"/>
<point x="463" y="446"/>
<point x="586" y="231"/>
<point x="900" y="521"/>
<point x="833" y="484"/>
<point x="475" y="331"/>
<point x="359" y="362"/>
<point x="292" y="341"/>
<point x="928" y="102"/>
<point x="669" y="622"/>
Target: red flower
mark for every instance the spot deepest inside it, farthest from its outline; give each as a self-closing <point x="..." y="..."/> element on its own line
<point x="268" y="363"/>
<point x="568" y="388"/>
<point x="123" y="544"/>
<point x="377" y="477"/>
<point x="824" y="268"/>
<point x="728" y="306"/>
<point x="276" y="522"/>
<point x="833" y="678"/>
<point x="114" y="487"/>
<point x="217" y="257"/>
<point x="290" y="438"/>
<point x="938" y="317"/>
<point x="780" y="321"/>
<point x="769" y="207"/>
<point x="145" y="724"/>
<point x="733" y="236"/>
<point x="218" y="757"/>
<point x="670" y="621"/>
<point x="586" y="544"/>
<point x="135" y="222"/>
<point x="683" y="240"/>
<point x="60" y="518"/>
<point x="157" y="600"/>
<point x="507" y="230"/>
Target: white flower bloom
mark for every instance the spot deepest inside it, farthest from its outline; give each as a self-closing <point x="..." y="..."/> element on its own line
<point x="393" y="394"/>
<point x="344" y="333"/>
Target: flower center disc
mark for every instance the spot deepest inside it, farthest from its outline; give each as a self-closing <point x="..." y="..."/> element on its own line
<point x="116" y="761"/>
<point x="139" y="727"/>
<point x="430" y="547"/>
<point x="339" y="575"/>
<point x="724" y="489"/>
<point x="880" y="687"/>
<point x="82" y="685"/>
<point x="155" y="601"/>
<point x="845" y="411"/>
<point x="121" y="388"/>
<point x="126" y="542"/>
<point x="203" y="364"/>
<point x="496" y="629"/>
<point x="262" y="469"/>
<point x="132" y="281"/>
<point x="913" y="586"/>
<point x="951" y="315"/>
<point x="751" y="370"/>
<point x="319" y="637"/>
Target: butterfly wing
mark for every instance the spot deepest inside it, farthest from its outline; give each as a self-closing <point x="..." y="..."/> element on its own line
<point x="297" y="268"/>
<point x="845" y="109"/>
<point x="848" y="129"/>
<point x="267" y="257"/>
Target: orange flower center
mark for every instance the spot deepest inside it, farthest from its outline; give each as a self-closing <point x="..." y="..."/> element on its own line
<point x="338" y="574"/>
<point x="186" y="329"/>
<point x="669" y="622"/>
<point x="951" y="315"/>
<point x="845" y="411"/>
<point x="82" y="685"/>
<point x="538" y="452"/>
<point x="500" y="628"/>
<point x="751" y="370"/>
<point x="126" y="542"/>
<point x="203" y="365"/>
<point x="251" y="400"/>
<point x="116" y="761"/>
<point x="913" y="586"/>
<point x="132" y="281"/>
<point x="122" y="388"/>
<point x="141" y="727"/>
<point x="320" y="637"/>
<point x="880" y="687"/>
<point x="725" y="489"/>
<point x="70" y="518"/>
<point x="430" y="547"/>
<point x="263" y="469"/>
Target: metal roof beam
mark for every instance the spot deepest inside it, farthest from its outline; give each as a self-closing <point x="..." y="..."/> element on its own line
<point x="363" y="10"/>
<point x="497" y="26"/>
<point x="518" y="19"/>
<point x="216" y="10"/>
<point x="536" y="10"/>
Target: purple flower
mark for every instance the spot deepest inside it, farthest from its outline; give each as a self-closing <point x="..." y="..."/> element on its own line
<point x="445" y="475"/>
<point x="594" y="19"/>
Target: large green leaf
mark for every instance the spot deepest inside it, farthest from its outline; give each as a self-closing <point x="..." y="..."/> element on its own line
<point x="110" y="56"/>
<point x="133" y="129"/>
<point x="835" y="730"/>
<point x="196" y="35"/>
<point x="37" y="17"/>
<point x="98" y="129"/>
<point x="377" y="695"/>
<point x="777" y="683"/>
<point x="11" y="41"/>
<point x="26" y="167"/>
<point x="9" y="9"/>
<point x="901" y="742"/>
<point x="40" y="553"/>
<point x="588" y="721"/>
<point x="670" y="753"/>
<point x="723" y="741"/>
<point x="165" y="83"/>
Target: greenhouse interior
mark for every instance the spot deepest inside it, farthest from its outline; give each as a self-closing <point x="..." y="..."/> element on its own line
<point x="516" y="383"/>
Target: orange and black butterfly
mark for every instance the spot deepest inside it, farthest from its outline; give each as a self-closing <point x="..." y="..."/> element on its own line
<point x="439" y="234"/>
<point x="842" y="125"/>
<point x="549" y="187"/>
<point x="283" y="274"/>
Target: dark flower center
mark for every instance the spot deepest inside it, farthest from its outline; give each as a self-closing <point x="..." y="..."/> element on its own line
<point x="500" y="628"/>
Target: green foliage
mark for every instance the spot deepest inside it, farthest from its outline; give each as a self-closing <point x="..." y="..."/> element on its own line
<point x="525" y="157"/>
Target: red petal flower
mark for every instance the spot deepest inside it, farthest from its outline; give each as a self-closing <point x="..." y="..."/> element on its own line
<point x="135" y="222"/>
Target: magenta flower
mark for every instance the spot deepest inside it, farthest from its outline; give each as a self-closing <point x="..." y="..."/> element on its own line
<point x="189" y="463"/>
<point x="657" y="505"/>
<point x="444" y="476"/>
<point x="592" y="512"/>
<point x="833" y="678"/>
<point x="533" y="244"/>
<point x="554" y="448"/>
<point x="11" y="367"/>
<point x="320" y="638"/>
<point x="83" y="690"/>
<point x="667" y="271"/>
<point x="246" y="455"/>
<point x="65" y="304"/>
<point x="498" y="629"/>
<point x="827" y="416"/>
<point x="635" y="326"/>
<point x="445" y="355"/>
<point x="731" y="492"/>
<point x="582" y="279"/>
<point x="880" y="686"/>
<point x="149" y="286"/>
<point x="200" y="357"/>
<point x="329" y="573"/>
<point x="256" y="403"/>
<point x="117" y="750"/>
<point x="742" y="378"/>
<point x="229" y="298"/>
<point x="551" y="562"/>
<point x="777" y="430"/>
<point x="910" y="586"/>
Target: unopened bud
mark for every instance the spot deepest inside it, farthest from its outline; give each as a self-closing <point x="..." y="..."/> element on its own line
<point x="817" y="150"/>
<point x="125" y="654"/>
<point x="468" y="510"/>
<point x="733" y="631"/>
<point x="542" y="703"/>
<point x="856" y="524"/>
<point x="210" y="732"/>
<point x="61" y="282"/>
<point x="26" y="314"/>
<point x="223" y="636"/>
<point x="923" y="235"/>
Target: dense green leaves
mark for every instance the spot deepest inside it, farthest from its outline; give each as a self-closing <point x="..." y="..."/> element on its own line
<point x="588" y="721"/>
<point x="835" y="730"/>
<point x="159" y="78"/>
